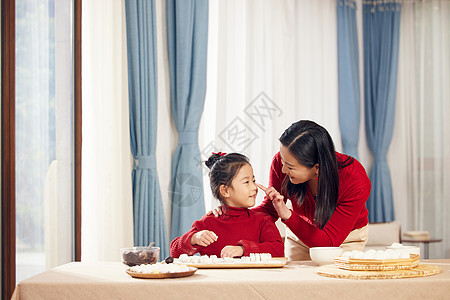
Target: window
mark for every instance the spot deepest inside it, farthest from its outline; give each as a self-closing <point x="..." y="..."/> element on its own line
<point x="41" y="137"/>
<point x="44" y="135"/>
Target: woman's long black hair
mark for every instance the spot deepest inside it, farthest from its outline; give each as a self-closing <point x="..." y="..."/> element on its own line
<point x="311" y="144"/>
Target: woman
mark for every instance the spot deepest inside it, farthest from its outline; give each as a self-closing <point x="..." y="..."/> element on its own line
<point x="328" y="192"/>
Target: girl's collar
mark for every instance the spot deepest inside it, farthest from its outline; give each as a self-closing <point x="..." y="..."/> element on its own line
<point x="234" y="211"/>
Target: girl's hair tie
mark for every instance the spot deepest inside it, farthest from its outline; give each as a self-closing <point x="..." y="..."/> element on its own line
<point x="219" y="153"/>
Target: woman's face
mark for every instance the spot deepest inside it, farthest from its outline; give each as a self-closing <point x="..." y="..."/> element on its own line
<point x="297" y="172"/>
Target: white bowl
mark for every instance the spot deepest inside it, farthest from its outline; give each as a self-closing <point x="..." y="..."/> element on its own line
<point x="324" y="255"/>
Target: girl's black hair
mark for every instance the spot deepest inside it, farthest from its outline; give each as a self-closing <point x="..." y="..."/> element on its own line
<point x="223" y="169"/>
<point x="311" y="144"/>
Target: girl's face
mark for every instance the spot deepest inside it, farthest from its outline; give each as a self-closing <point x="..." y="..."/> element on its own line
<point x="243" y="189"/>
<point x="297" y="172"/>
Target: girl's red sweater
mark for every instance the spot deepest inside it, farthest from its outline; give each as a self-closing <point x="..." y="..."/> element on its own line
<point x="256" y="232"/>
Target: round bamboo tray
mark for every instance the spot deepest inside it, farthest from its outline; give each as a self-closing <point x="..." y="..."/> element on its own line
<point x="419" y="271"/>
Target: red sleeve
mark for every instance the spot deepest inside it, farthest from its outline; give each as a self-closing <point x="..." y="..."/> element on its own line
<point x="275" y="179"/>
<point x="353" y="194"/>
<point x="182" y="244"/>
<point x="270" y="240"/>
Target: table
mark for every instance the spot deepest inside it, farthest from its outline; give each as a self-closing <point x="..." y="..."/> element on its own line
<point x="426" y="243"/>
<point x="298" y="279"/>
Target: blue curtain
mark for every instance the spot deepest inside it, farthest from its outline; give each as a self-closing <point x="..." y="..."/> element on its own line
<point x="149" y="222"/>
<point x="187" y="37"/>
<point x="381" y="23"/>
<point x="348" y="76"/>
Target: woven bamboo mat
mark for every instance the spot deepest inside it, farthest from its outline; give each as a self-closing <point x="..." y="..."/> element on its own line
<point x="421" y="270"/>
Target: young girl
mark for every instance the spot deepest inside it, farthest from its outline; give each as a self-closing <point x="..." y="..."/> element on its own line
<point x="238" y="231"/>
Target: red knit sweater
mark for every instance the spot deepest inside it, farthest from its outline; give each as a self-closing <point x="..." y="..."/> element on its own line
<point x="256" y="232"/>
<point x="350" y="213"/>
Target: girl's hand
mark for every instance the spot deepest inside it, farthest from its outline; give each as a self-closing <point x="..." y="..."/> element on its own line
<point x="232" y="251"/>
<point x="277" y="200"/>
<point x="216" y="211"/>
<point x="203" y="238"/>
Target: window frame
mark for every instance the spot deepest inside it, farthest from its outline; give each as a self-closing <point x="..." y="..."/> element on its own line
<point x="8" y="197"/>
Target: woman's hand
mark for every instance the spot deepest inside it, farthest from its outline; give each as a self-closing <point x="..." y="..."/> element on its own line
<point x="232" y="251"/>
<point x="216" y="211"/>
<point x="277" y="200"/>
<point x="203" y="238"/>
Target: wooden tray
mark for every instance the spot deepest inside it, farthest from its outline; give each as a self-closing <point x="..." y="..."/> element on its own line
<point x="376" y="264"/>
<point x="191" y="271"/>
<point x="419" y="271"/>
<point x="275" y="262"/>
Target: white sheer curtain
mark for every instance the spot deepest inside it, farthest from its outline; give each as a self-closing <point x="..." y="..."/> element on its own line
<point x="167" y="134"/>
<point x="44" y="135"/>
<point x="420" y="152"/>
<point x="107" y="222"/>
<point x="270" y="63"/>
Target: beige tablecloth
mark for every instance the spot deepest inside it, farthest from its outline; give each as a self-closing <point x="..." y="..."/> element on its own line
<point x="83" y="280"/>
